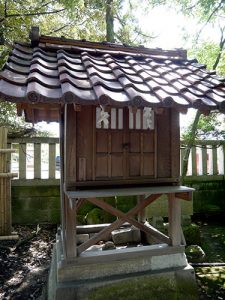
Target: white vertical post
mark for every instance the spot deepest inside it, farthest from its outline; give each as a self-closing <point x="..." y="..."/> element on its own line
<point x="174" y="220"/>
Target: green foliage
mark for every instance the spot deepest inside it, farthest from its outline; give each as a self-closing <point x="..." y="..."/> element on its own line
<point x="192" y="234"/>
<point x="206" y="53"/>
<point x="208" y="127"/>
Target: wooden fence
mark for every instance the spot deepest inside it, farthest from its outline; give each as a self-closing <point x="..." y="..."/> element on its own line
<point x="37" y="161"/>
<point x="206" y="161"/>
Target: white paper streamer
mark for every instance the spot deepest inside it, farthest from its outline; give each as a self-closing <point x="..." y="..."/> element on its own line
<point x="103" y="117"/>
<point x="148" y="117"/>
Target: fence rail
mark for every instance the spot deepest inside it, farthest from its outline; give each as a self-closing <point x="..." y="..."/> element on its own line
<point x="37" y="159"/>
<point x="206" y="160"/>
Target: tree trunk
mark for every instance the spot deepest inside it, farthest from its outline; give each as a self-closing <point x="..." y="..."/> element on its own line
<point x="109" y="21"/>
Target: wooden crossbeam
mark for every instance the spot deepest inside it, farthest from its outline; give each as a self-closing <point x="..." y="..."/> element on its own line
<point x="150" y="230"/>
<point x="184" y="196"/>
<point x="79" y="203"/>
<point x="106" y="231"/>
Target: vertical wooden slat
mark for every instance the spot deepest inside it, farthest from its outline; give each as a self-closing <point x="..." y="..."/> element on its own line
<point x="37" y="161"/>
<point x="62" y="195"/>
<point x="22" y="161"/>
<point x="204" y="161"/>
<point x="125" y="140"/>
<point x="52" y="161"/>
<point x="110" y="155"/>
<point x="94" y="144"/>
<point x="174" y="220"/>
<point x="155" y="148"/>
<point x="142" y="156"/>
<point x="194" y="164"/>
<point x="175" y="144"/>
<point x="214" y="157"/>
<point x="5" y="188"/>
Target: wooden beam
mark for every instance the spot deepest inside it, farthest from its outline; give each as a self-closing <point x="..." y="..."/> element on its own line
<point x="79" y="203"/>
<point x="76" y="107"/>
<point x="106" y="231"/>
<point x="174" y="220"/>
<point x="70" y="235"/>
<point x="107" y="207"/>
<point x="184" y="196"/>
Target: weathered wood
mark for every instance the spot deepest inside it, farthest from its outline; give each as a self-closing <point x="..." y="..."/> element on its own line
<point x="5" y="187"/>
<point x="174" y="220"/>
<point x="37" y="160"/>
<point x="106" y="231"/>
<point x="194" y="164"/>
<point x="70" y="241"/>
<point x="175" y="144"/>
<point x="142" y="213"/>
<point x="22" y="161"/>
<point x="184" y="196"/>
<point x="110" y="192"/>
<point x="94" y="228"/>
<point x="214" y="158"/>
<point x="204" y="161"/>
<point x="164" y="144"/>
<point x="33" y="140"/>
<point x="147" y="229"/>
<point x="7" y="150"/>
<point x="8" y="175"/>
<point x="52" y="161"/>
<point x="79" y="203"/>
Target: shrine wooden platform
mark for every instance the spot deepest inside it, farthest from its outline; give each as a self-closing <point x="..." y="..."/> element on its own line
<point x="77" y="271"/>
<point x="147" y="195"/>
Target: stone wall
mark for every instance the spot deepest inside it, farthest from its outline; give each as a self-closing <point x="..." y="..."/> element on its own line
<point x="35" y="204"/>
<point x="209" y="196"/>
<point x="41" y="204"/>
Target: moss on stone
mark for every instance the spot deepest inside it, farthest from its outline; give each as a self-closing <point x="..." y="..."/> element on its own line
<point x="192" y="234"/>
<point x="95" y="216"/>
<point x="141" y="288"/>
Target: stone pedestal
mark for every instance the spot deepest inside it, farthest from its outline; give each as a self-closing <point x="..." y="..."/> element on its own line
<point x="148" y="272"/>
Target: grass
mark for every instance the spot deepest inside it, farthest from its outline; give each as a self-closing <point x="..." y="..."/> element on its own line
<point x="211" y="280"/>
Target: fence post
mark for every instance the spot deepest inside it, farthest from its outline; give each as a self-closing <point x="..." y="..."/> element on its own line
<point x="5" y="186"/>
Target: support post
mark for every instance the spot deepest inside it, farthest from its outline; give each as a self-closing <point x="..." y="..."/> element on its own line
<point x="174" y="220"/>
<point x="142" y="213"/>
<point x="71" y="246"/>
<point x="5" y="186"/>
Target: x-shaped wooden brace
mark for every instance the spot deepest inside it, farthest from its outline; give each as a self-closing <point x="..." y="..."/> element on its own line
<point x="123" y="218"/>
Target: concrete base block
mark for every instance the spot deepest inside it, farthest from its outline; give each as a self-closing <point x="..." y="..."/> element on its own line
<point x="126" y="235"/>
<point x="139" y="274"/>
<point x="82" y="237"/>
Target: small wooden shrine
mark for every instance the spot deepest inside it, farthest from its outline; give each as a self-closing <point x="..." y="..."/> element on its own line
<point x="118" y="108"/>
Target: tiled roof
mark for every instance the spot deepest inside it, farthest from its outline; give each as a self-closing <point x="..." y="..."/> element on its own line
<point x="63" y="71"/>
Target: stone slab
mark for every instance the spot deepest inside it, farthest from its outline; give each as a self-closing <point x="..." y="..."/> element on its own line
<point x="126" y="235"/>
<point x="170" y="284"/>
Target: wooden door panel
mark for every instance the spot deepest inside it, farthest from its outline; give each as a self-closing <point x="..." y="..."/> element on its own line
<point x="116" y="142"/>
<point x="134" y="165"/>
<point x="101" y="166"/>
<point x="117" y="165"/>
<point x="148" y="141"/>
<point x="134" y="142"/>
<point x="148" y="164"/>
<point x="101" y="141"/>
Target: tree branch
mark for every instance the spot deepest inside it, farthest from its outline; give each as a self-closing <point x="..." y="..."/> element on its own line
<point x="36" y="13"/>
<point x="210" y="16"/>
<point x="221" y="46"/>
